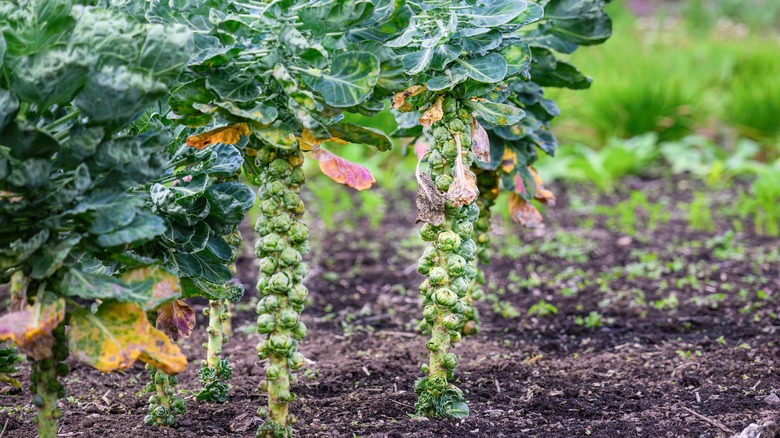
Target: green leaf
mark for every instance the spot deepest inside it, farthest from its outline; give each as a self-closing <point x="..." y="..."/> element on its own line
<point x="353" y="133"/>
<point x="9" y="104"/>
<point x="167" y="48"/>
<point x="581" y="22"/>
<point x="488" y="69"/>
<point x="52" y="77"/>
<point x="323" y="16"/>
<point x="350" y="81"/>
<point x="225" y="160"/>
<point x="385" y="28"/>
<point x="518" y="58"/>
<point x="116" y="93"/>
<point x="549" y="71"/>
<point x="219" y="248"/>
<point x="496" y="113"/>
<point x="446" y="81"/>
<point x="492" y="13"/>
<point x="200" y="267"/>
<point x="145" y="226"/>
<point x="148" y="287"/>
<point x="234" y="88"/>
<point x="279" y="135"/>
<point x="19" y="250"/>
<point x="50" y="257"/>
<point x="260" y="113"/>
<point x="416" y="62"/>
<point x="229" y="201"/>
<point x="187" y="239"/>
<point x="532" y="14"/>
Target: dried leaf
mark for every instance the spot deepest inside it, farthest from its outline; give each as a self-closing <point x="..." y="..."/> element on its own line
<point x="542" y="194"/>
<point x="230" y="134"/>
<point x="161" y="353"/>
<point x="480" y="142"/>
<point x="400" y="98"/>
<point x="343" y="171"/>
<point x="176" y="319"/>
<point x="524" y="212"/>
<point x="430" y="201"/>
<point x="463" y="189"/>
<point x="508" y="161"/>
<point x="433" y="114"/>
<point x="30" y="329"/>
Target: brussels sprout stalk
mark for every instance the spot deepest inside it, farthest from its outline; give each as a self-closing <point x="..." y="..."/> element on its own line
<point x="217" y="315"/>
<point x="164" y="404"/>
<point x="216" y="370"/>
<point x="283" y="240"/>
<point x="448" y="262"/>
<point x="487" y="184"/>
<point x="45" y="385"/>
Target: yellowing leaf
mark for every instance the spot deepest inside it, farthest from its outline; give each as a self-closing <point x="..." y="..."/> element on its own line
<point x="480" y="142"/>
<point x="161" y="353"/>
<point x="400" y="98"/>
<point x="230" y="134"/>
<point x="307" y="141"/>
<point x="430" y="201"/>
<point x="524" y="212"/>
<point x="157" y="283"/>
<point x="463" y="189"/>
<point x="433" y="114"/>
<point x="30" y="328"/>
<point x="343" y="171"/>
<point x="508" y="161"/>
<point x="112" y="338"/>
<point x="176" y="319"/>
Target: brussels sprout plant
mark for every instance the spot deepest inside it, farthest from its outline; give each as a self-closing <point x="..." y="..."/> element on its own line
<point x="68" y="223"/>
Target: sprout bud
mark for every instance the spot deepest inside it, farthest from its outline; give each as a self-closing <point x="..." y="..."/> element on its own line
<point x="299" y="331"/>
<point x="443" y="182"/>
<point x="281" y="344"/>
<point x="448" y="241"/>
<point x="424" y="266"/>
<point x="270" y="242"/>
<point x="445" y="297"/>
<point x="297" y="176"/>
<point x="296" y="361"/>
<point x="464" y="229"/>
<point x="450" y="150"/>
<point x="457" y="125"/>
<point x="456" y="265"/>
<point x="450" y="361"/>
<point x="281" y="222"/>
<point x="477" y="294"/>
<point x="449" y="106"/>
<point x="279" y="282"/>
<point x="272" y="373"/>
<point x="300" y="272"/>
<point x="425" y="368"/>
<point x="265" y="324"/>
<point x="290" y="257"/>
<point x="432" y="346"/>
<point x="454" y="336"/>
<point x="264" y="156"/>
<point x="428" y="232"/>
<point x="298" y="294"/>
<point x="429" y="313"/>
<point x="262" y="412"/>
<point x="460" y="286"/>
<point x="288" y="318"/>
<point x="451" y="321"/>
<point x="269" y="207"/>
<point x="272" y="302"/>
<point x="438" y="276"/>
<point x="279" y="167"/>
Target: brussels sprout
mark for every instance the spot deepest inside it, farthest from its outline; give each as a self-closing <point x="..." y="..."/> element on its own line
<point x="465" y="141"/>
<point x="424" y="266"/>
<point x="445" y="297"/>
<point x="281" y="222"/>
<point x="298" y="294"/>
<point x="299" y="331"/>
<point x="297" y="176"/>
<point x="456" y="265"/>
<point x="279" y="282"/>
<point x="450" y="150"/>
<point x="451" y="321"/>
<point x="280" y="343"/>
<point x="266" y="323"/>
<point x="300" y="272"/>
<point x="269" y="207"/>
<point x="279" y="167"/>
<point x="448" y="241"/>
<point x="296" y="361"/>
<point x="464" y="229"/>
<point x="267" y="267"/>
<point x="429" y="312"/>
<point x="288" y="318"/>
<point x="272" y="373"/>
<point x="271" y="242"/>
<point x="276" y="188"/>
<point x="438" y="276"/>
<point x="449" y="361"/>
<point x="436" y="160"/>
<point x="428" y="232"/>
<point x="290" y="257"/>
<point x="432" y="346"/>
<point x="450" y="105"/>
<point x="468" y="249"/>
<point x="443" y="182"/>
<point x="264" y="157"/>
<point x="454" y="336"/>
<point x="460" y="286"/>
<point x="296" y="159"/>
<point x="272" y="303"/>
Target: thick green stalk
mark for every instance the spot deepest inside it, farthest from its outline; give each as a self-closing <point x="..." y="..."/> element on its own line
<point x="448" y="263"/>
<point x="487" y="183"/>
<point x="217" y="314"/>
<point x="283" y="240"/>
<point x="45" y="385"/>
<point x="216" y="370"/>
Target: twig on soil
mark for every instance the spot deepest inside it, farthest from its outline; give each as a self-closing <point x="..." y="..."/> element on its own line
<point x="683" y="366"/>
<point x="392" y="333"/>
<point x="402" y="403"/>
<point x="711" y="421"/>
<point x="2" y="432"/>
<point x="498" y="388"/>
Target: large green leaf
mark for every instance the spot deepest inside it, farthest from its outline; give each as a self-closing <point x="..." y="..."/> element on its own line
<point x="518" y="58"/>
<point x="185" y="238"/>
<point x="488" y="69"/>
<point x="548" y="71"/>
<point x="200" y="267"/>
<point x="225" y="160"/>
<point x="51" y="256"/>
<point x="144" y="226"/>
<point x="259" y="113"/>
<point x="51" y="77"/>
<point x="350" y="81"/>
<point x="116" y="93"/>
<point x="166" y="48"/>
<point x="492" y="13"/>
<point x="581" y="22"/>
<point x="229" y="201"/>
<point x="323" y="16"/>
<point x="9" y="104"/>
<point x="148" y="287"/>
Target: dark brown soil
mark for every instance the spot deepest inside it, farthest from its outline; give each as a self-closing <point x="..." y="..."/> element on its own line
<point x="653" y="364"/>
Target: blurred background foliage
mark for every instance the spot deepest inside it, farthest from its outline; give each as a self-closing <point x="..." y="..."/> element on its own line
<point x="686" y="87"/>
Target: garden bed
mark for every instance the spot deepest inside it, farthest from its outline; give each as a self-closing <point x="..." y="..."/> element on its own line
<point x="649" y="365"/>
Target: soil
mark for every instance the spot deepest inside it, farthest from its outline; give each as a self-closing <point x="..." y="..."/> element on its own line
<point x="705" y="366"/>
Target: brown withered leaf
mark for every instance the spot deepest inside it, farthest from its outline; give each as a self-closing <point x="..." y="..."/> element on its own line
<point x="433" y="114"/>
<point x="542" y="194"/>
<point x="480" y="142"/>
<point x="400" y="98"/>
<point x="30" y="329"/>
<point x="176" y="319"/>
<point x="343" y="171"/>
<point x="463" y="189"/>
<point x="430" y="201"/>
<point x="230" y="134"/>
<point x="524" y="212"/>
